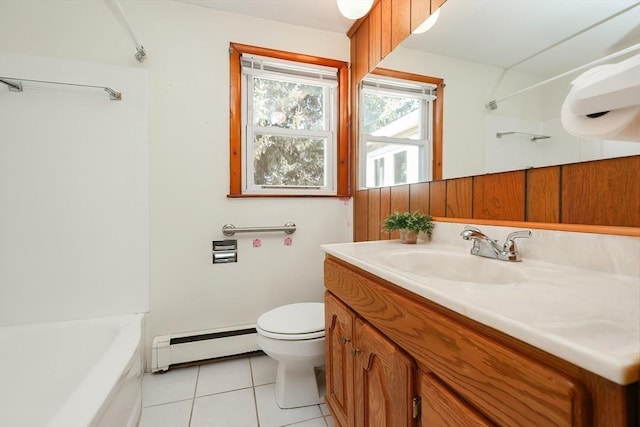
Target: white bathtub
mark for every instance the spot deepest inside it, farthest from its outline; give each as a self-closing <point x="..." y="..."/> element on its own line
<point x="85" y="373"/>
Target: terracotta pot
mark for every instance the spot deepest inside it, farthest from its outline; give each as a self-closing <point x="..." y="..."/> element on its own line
<point x="408" y="236"/>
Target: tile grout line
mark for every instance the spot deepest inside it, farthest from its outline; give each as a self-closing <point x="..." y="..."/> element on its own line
<point x="193" y="399"/>
<point x="253" y="389"/>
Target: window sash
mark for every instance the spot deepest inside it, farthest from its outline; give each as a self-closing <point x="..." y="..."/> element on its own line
<point x="394" y="87"/>
<point x="325" y="79"/>
<point x="424" y="158"/>
<point x="261" y="65"/>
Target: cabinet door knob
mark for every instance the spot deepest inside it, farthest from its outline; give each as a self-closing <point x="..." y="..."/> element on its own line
<point x="345" y="340"/>
<point x="355" y="351"/>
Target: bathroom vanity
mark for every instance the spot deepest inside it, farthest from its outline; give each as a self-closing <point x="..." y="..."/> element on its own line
<point x="406" y="349"/>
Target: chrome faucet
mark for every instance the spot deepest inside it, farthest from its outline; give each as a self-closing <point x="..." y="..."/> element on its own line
<point x="486" y="247"/>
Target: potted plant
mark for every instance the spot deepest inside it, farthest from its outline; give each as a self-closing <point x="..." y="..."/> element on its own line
<point x="410" y="224"/>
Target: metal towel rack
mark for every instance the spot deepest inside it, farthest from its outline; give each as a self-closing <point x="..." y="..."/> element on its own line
<point x="15" y="85"/>
<point x="230" y="229"/>
<point x="534" y="137"/>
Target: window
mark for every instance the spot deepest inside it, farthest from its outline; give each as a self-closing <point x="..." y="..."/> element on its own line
<point x="396" y="130"/>
<point x="288" y="124"/>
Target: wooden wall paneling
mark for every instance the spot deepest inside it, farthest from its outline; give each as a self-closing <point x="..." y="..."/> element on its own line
<point x="361" y="61"/>
<point x="604" y="192"/>
<point x="436" y="4"/>
<point x="385" y="210"/>
<point x="400" y="198"/>
<point x="375" y="36"/>
<point x="499" y="196"/>
<point x="459" y="198"/>
<point x="385" y="32"/>
<point x="420" y="11"/>
<point x="438" y="198"/>
<point x="419" y="197"/>
<point x="543" y="195"/>
<point x="360" y="215"/>
<point x="400" y="21"/>
<point x="373" y="215"/>
<point x="399" y="203"/>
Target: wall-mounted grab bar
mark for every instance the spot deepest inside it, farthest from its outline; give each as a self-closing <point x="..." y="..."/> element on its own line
<point x="230" y="229"/>
<point x="534" y="137"/>
<point x="15" y="85"/>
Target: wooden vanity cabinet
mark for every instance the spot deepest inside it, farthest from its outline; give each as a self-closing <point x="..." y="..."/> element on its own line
<point x="391" y="352"/>
<point x="339" y="321"/>
<point x="369" y="378"/>
<point x="441" y="406"/>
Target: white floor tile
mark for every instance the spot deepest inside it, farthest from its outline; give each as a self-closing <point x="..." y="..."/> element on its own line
<point x="173" y="385"/>
<point x="224" y="375"/>
<point x="330" y="422"/>
<point x="230" y="409"/>
<point x="325" y="409"/>
<point x="264" y="369"/>
<point x="316" y="422"/>
<point x="270" y="415"/>
<point x="175" y="414"/>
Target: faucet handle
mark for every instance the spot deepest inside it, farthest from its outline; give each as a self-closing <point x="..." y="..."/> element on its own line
<point x="510" y="244"/>
<point x="471" y="231"/>
<point x="472" y="228"/>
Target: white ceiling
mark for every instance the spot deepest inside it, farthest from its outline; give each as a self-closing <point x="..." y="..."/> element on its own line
<point x="498" y="32"/>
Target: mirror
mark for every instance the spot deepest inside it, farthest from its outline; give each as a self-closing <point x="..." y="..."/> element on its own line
<point x="490" y="49"/>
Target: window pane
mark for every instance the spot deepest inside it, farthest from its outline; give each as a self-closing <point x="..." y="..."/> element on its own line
<point x="379" y="172"/>
<point x="288" y="104"/>
<point x="285" y="160"/>
<point x="391" y="164"/>
<point x="392" y="115"/>
<point x="400" y="167"/>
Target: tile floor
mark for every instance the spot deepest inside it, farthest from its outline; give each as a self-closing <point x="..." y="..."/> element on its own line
<point x="227" y="393"/>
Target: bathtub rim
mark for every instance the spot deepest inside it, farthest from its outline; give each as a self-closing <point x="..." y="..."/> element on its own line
<point x="103" y="379"/>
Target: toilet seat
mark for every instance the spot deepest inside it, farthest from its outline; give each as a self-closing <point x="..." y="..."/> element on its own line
<point x="293" y="322"/>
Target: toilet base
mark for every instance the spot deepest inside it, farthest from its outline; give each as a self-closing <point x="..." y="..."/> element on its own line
<point x="298" y="385"/>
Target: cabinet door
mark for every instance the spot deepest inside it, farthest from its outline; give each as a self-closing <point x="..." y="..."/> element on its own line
<point x="339" y="360"/>
<point x="384" y="377"/>
<point x="443" y="408"/>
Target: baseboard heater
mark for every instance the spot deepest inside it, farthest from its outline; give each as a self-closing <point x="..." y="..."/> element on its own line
<point x="167" y="350"/>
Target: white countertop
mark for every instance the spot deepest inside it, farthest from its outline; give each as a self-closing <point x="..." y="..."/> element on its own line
<point x="587" y="317"/>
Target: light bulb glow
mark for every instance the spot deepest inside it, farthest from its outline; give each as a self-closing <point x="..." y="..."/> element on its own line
<point x="428" y="23"/>
<point x="354" y="9"/>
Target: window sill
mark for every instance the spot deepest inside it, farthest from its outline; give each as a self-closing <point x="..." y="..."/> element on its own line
<point x="252" y="196"/>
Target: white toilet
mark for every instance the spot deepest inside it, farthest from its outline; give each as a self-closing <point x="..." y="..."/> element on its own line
<point x="293" y="335"/>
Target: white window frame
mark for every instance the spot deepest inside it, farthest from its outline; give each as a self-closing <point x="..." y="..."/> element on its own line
<point x="271" y="68"/>
<point x="406" y="88"/>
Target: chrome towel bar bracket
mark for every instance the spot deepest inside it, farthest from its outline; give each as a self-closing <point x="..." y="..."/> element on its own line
<point x="230" y="229"/>
<point x="534" y="137"/>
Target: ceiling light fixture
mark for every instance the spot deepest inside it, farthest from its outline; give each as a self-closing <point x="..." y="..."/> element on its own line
<point x="428" y="23"/>
<point x="354" y="9"/>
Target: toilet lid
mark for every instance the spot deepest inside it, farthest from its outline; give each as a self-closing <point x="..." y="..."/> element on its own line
<point x="294" y="321"/>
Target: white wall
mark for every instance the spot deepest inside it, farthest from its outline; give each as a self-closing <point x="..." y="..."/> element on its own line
<point x="187" y="63"/>
<point x="74" y="240"/>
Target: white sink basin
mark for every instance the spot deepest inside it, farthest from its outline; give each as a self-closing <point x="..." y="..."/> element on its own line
<point x="458" y="267"/>
<point x="587" y="317"/>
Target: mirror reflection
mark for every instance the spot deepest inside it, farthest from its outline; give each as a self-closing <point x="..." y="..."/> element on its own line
<point x="523" y="55"/>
